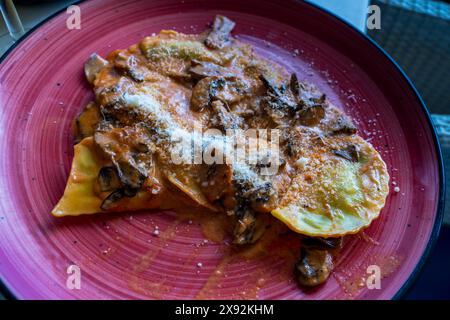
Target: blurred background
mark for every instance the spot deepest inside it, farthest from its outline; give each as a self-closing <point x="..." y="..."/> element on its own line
<point x="416" y="33"/>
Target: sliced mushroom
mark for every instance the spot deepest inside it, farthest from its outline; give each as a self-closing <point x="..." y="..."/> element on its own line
<point x="130" y="174"/>
<point x="316" y="261"/>
<point x="220" y="33"/>
<point x="253" y="201"/>
<point x="217" y="184"/>
<point x="221" y="118"/>
<point x="200" y="70"/>
<point x="228" y="90"/>
<point x="111" y="200"/>
<point x="128" y="64"/>
<point x="350" y="153"/>
<point x="216" y="85"/>
<point x="342" y="125"/>
<point x="132" y="168"/>
<point x="108" y="179"/>
<point x="314" y="267"/>
<point x="311" y="116"/>
<point x="278" y="95"/>
<point x="201" y="96"/>
<point x="244" y="230"/>
<point x="261" y="198"/>
<point x="93" y="65"/>
<point x="294" y="85"/>
<point x="271" y="87"/>
<point x="278" y="103"/>
<point x="87" y="122"/>
<point x="309" y="96"/>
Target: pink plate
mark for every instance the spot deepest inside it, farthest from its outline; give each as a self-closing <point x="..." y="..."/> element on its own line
<point x="42" y="88"/>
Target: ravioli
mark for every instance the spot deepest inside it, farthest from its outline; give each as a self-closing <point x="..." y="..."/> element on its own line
<point x="333" y="196"/>
<point x="82" y="195"/>
<point x="171" y="91"/>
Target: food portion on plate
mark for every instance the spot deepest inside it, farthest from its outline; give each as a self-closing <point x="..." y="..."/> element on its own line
<point x="174" y="92"/>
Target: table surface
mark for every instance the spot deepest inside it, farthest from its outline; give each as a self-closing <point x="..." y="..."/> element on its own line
<point x="428" y="285"/>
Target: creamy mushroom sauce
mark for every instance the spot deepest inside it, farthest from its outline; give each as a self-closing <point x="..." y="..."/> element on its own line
<point x="171" y="83"/>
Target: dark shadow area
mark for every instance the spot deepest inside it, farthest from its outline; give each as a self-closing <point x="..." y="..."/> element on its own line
<point x="434" y="281"/>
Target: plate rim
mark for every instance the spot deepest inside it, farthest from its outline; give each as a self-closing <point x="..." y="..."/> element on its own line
<point x="434" y="235"/>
